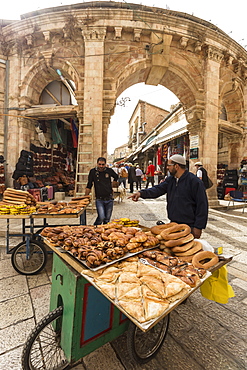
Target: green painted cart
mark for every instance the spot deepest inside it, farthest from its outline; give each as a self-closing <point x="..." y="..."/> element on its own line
<point x="81" y="320"/>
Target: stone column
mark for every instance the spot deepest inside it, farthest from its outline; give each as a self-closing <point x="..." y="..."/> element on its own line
<point x="93" y="86"/>
<point x="209" y="149"/>
<point x="90" y="117"/>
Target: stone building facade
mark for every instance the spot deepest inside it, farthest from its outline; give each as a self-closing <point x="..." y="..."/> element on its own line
<point x="144" y="118"/>
<point x="105" y="47"/>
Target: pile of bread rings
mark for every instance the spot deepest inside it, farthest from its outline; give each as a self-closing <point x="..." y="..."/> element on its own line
<point x="177" y="240"/>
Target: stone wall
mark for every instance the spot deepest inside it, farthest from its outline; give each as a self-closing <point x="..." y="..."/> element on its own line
<point x="106" y="47"/>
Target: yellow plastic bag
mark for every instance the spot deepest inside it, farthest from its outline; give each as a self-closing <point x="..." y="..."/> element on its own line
<point x="216" y="287"/>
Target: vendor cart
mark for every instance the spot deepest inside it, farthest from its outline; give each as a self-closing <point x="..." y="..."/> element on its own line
<point x="30" y="256"/>
<point x="83" y="319"/>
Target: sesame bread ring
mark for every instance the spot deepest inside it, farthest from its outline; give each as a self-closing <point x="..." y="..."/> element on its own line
<point x="196" y="248"/>
<point x="176" y="242"/>
<point x="183" y="247"/>
<point x="158" y="228"/>
<point x="176" y="232"/>
<point x="198" y="259"/>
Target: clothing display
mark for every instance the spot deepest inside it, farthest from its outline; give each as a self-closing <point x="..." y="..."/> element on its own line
<point x="24" y="166"/>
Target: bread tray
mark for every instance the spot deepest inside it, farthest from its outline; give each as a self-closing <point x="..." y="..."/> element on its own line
<point x="148" y="324"/>
<point x="127" y="255"/>
<point x="82" y="262"/>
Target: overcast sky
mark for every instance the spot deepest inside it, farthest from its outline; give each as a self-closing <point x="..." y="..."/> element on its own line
<point x="227" y="15"/>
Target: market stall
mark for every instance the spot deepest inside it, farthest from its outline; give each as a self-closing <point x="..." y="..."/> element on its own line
<point x="94" y="302"/>
<point x="29" y="257"/>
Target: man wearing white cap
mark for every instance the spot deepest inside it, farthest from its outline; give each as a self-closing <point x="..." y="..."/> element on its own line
<point x="187" y="201"/>
<point x="202" y="174"/>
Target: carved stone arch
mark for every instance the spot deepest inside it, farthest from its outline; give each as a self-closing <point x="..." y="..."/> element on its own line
<point x="132" y="76"/>
<point x="40" y="75"/>
<point x="232" y="97"/>
<point x="61" y="60"/>
<point x="188" y="87"/>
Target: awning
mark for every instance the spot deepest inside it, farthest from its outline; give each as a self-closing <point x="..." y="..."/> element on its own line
<point x="177" y="129"/>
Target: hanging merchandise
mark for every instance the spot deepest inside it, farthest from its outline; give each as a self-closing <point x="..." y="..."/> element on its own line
<point x="74" y="132"/>
<point x="63" y="132"/>
<point x="165" y="151"/>
<point x="159" y="160"/>
<point x="56" y="137"/>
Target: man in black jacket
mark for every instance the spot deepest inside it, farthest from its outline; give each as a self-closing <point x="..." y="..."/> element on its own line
<point x="187" y="201"/>
<point x="101" y="176"/>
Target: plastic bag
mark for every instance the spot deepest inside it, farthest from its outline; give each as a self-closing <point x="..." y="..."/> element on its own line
<point x="205" y="245"/>
<point x="216" y="287"/>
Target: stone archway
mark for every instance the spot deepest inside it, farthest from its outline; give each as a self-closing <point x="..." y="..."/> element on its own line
<point x="107" y="47"/>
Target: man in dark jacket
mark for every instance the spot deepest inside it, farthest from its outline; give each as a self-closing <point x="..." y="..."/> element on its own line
<point x="202" y="174"/>
<point x="101" y="176"/>
<point x="132" y="177"/>
<point x="187" y="201"/>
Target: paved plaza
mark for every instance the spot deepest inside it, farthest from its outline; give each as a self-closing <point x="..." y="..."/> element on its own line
<point x="202" y="334"/>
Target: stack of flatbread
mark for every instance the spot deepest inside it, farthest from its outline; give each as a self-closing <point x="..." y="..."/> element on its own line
<point x="141" y="290"/>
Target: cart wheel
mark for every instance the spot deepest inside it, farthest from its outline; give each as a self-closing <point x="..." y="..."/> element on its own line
<point x="29" y="263"/>
<point x="143" y="346"/>
<point x="42" y="349"/>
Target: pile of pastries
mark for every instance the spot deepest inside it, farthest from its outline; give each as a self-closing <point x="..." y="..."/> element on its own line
<point x="126" y="221"/>
<point x="177" y="240"/>
<point x="16" y="209"/>
<point x="140" y="290"/>
<point x="97" y="245"/>
<point x="174" y="266"/>
<point x="60" y="208"/>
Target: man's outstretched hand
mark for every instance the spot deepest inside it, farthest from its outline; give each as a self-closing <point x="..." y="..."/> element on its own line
<point x="196" y="232"/>
<point x="135" y="196"/>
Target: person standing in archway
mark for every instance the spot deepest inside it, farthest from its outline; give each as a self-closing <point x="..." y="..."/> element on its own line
<point x="100" y="177"/>
<point x="202" y="174"/>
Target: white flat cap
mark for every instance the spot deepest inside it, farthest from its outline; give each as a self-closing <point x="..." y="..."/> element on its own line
<point x="178" y="159"/>
<point x="198" y="164"/>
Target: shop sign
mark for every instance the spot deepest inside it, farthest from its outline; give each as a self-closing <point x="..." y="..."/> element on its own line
<point x="194" y="153"/>
<point x="194" y="141"/>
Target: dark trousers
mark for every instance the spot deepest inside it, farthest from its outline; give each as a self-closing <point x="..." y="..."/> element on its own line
<point x="150" y="179"/>
<point x="138" y="182"/>
<point x="132" y="186"/>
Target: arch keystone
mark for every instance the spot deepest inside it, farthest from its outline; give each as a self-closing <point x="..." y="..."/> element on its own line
<point x="160" y="57"/>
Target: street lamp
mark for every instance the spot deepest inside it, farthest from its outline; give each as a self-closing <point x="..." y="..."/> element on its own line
<point x="122" y="101"/>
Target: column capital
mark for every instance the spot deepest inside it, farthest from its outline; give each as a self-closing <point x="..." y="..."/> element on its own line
<point x="213" y="53"/>
<point x="94" y="33"/>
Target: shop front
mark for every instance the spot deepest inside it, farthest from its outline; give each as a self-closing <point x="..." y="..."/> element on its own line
<point x="46" y="161"/>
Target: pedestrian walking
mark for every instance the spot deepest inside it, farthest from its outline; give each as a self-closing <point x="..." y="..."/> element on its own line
<point x="139" y="175"/>
<point x="131" y="177"/>
<point x="202" y="174"/>
<point x="101" y="177"/>
<point x="123" y="175"/>
<point x="150" y="174"/>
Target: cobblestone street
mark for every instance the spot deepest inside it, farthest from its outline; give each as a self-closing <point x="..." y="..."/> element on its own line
<point x="202" y="334"/>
